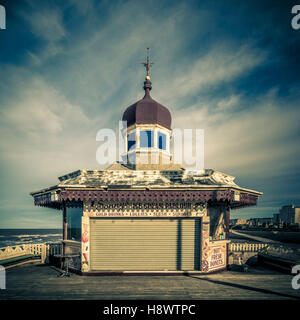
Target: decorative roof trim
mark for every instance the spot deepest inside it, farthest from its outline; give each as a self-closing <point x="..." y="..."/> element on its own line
<point x="207" y="196"/>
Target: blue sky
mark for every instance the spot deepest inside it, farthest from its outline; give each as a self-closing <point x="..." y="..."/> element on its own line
<point x="69" y="68"/>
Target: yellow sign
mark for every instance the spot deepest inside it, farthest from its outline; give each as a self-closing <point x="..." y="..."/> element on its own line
<point x="153" y="213"/>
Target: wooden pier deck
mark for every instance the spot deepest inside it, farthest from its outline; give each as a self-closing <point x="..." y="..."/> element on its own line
<point x="40" y="282"/>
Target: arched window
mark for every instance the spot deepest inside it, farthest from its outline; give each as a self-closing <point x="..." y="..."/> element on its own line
<point x="146" y="139"/>
<point x="131" y="141"/>
<point x="161" y="141"/>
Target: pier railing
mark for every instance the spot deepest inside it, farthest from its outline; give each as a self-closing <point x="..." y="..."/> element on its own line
<point x="246" y="247"/>
<point x="40" y="250"/>
<point x="43" y="251"/>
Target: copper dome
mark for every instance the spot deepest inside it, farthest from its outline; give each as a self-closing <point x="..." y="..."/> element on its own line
<point x="147" y="111"/>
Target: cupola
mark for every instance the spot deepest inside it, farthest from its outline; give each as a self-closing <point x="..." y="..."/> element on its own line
<point x="148" y="131"/>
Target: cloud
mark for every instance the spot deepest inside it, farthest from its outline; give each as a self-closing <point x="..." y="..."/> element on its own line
<point x="229" y="103"/>
<point x="83" y="7"/>
<point x="46" y="24"/>
<point x="261" y="140"/>
<point x="40" y="109"/>
<point x="222" y="64"/>
<point x="45" y="134"/>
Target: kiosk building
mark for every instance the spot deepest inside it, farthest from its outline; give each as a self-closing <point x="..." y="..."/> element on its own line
<point x="146" y="214"/>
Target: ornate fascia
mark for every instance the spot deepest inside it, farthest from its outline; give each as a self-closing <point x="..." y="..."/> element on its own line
<point x="235" y="199"/>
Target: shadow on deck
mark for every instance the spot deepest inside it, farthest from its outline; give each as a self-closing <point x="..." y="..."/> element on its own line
<point x="41" y="282"/>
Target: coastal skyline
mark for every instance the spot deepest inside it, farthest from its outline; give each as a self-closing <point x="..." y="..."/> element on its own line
<point x="71" y="68"/>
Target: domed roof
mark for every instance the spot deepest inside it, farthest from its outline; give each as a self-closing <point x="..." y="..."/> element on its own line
<point x="147" y="111"/>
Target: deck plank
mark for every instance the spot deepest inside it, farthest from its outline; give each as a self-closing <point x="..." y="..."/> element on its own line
<point x="41" y="282"/>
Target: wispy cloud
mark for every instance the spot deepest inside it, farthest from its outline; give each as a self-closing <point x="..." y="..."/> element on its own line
<point x="228" y="103"/>
<point x="39" y="109"/>
<point x="221" y="64"/>
<point x="259" y="140"/>
<point x="46" y="24"/>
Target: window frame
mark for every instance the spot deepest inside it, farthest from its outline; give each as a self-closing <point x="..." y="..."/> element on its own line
<point x="164" y="143"/>
<point x="150" y="138"/>
<point x="133" y="146"/>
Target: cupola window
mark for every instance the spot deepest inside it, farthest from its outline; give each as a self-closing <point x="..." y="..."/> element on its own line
<point x="161" y="141"/>
<point x="131" y="141"/>
<point x="146" y="139"/>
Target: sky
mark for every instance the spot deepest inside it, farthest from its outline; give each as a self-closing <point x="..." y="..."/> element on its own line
<point x="69" y="68"/>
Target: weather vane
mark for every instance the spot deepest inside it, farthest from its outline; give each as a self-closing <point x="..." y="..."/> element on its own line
<point x="147" y="65"/>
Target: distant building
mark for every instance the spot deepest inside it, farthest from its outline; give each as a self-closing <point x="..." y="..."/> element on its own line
<point x="276" y="219"/>
<point x="289" y="214"/>
<point x="265" y="220"/>
<point x="259" y="222"/>
<point x="235" y="222"/>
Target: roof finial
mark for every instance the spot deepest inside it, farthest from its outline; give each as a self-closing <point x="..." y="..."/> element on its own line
<point x="148" y="65"/>
<point x="147" y="82"/>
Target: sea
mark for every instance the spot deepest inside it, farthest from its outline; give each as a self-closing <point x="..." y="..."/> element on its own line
<point x="12" y="237"/>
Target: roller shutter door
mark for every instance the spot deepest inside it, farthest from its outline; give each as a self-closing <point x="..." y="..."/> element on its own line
<point x="142" y="244"/>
